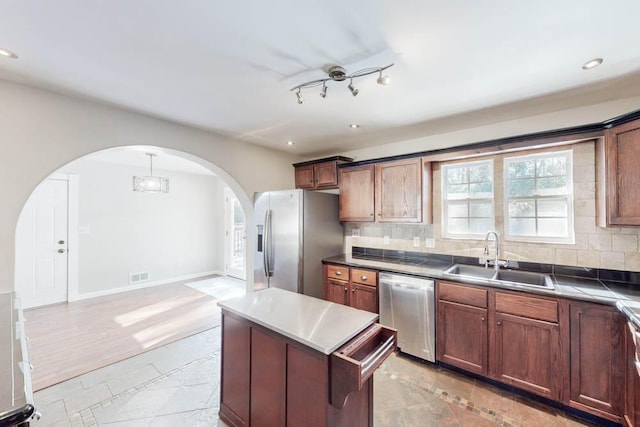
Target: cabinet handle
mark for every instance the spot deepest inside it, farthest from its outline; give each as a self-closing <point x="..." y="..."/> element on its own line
<point x="370" y="214"/>
<point x="499" y="323"/>
<point x="353" y="290"/>
<point x="363" y="277"/>
<point x="379" y="214"/>
<point x="345" y="289"/>
<point x="338" y="273"/>
<point x="482" y="318"/>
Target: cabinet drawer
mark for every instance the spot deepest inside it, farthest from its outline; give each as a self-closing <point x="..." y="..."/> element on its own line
<point x="338" y="272"/>
<point x="365" y="277"/>
<point x="462" y="294"/>
<point x="526" y="306"/>
<point x="354" y="363"/>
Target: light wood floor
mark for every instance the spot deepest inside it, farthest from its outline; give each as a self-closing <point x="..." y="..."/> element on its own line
<point x="67" y="340"/>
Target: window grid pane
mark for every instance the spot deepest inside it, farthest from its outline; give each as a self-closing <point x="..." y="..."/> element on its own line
<point x="468" y="198"/>
<point x="538" y="196"/>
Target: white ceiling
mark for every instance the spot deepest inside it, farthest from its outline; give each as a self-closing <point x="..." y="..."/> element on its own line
<point x="227" y="66"/>
<point x="136" y="156"/>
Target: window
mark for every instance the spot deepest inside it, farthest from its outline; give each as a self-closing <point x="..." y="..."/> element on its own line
<point x="539" y="197"/>
<point x="467" y="199"/>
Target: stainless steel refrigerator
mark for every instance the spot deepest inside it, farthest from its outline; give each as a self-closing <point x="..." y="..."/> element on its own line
<point x="295" y="230"/>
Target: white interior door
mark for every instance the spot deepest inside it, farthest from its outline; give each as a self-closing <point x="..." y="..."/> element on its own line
<point x="235" y="236"/>
<point x="41" y="245"/>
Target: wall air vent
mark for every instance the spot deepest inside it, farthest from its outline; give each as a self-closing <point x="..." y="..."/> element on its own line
<point x="138" y="277"/>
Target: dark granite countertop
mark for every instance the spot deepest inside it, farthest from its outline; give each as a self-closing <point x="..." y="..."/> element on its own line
<point x="626" y="297"/>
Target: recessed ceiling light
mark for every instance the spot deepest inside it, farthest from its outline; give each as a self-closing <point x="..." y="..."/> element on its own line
<point x="593" y="63"/>
<point x="7" y="53"/>
<point x="354" y="126"/>
<point x="291" y="143"/>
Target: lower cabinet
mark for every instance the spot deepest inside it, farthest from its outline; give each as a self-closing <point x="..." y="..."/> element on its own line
<point x="526" y="343"/>
<point x="527" y="354"/>
<point x="350" y="286"/>
<point x="631" y="410"/>
<point x="596" y="381"/>
<point x="507" y="336"/>
<point x="461" y="327"/>
<point x="564" y="350"/>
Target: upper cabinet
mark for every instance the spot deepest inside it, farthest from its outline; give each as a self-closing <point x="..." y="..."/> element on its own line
<point x="356" y="193"/>
<point x="618" y="177"/>
<point x="395" y="191"/>
<point x="319" y="174"/>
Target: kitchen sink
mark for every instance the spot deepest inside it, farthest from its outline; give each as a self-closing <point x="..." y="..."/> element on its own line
<point x="471" y="271"/>
<point x="507" y="278"/>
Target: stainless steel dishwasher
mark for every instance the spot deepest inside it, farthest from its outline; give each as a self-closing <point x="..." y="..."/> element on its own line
<point x="407" y="304"/>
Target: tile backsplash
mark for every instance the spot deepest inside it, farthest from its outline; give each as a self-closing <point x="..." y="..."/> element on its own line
<point x="596" y="247"/>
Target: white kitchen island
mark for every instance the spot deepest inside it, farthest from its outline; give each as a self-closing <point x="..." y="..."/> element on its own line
<point x="289" y="359"/>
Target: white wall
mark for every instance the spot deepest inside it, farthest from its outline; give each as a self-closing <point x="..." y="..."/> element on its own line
<point x="171" y="235"/>
<point x="42" y="131"/>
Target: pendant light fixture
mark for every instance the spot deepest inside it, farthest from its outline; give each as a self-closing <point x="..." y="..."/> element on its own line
<point x="151" y="184"/>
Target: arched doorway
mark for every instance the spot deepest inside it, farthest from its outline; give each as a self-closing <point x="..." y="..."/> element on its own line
<point x="79" y="229"/>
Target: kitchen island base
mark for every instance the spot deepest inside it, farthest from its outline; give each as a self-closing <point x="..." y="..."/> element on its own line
<point x="268" y="379"/>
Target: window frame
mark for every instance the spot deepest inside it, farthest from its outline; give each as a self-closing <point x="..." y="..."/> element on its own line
<point x="569" y="197"/>
<point x="445" y="201"/>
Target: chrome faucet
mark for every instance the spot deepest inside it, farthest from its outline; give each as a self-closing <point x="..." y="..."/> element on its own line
<point x="496" y="262"/>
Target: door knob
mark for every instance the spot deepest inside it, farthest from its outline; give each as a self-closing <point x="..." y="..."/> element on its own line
<point x="60" y="251"/>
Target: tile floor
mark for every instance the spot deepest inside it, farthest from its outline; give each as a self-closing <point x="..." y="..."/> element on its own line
<point x="178" y="385"/>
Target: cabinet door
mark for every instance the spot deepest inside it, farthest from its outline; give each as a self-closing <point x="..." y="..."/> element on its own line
<point x="338" y="291"/>
<point x="268" y="378"/>
<point x="596" y="359"/>
<point x="527" y="354"/>
<point x="622" y="149"/>
<point x="325" y="175"/>
<point x="236" y="363"/>
<point x="399" y="191"/>
<point x="364" y="297"/>
<point x="632" y="389"/>
<point x="304" y="177"/>
<point x="461" y="335"/>
<point x="356" y="193"/>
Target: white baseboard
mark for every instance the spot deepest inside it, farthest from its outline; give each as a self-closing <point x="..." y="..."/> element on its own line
<point x="89" y="295"/>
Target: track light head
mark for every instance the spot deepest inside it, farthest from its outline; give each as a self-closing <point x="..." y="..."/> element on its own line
<point x="299" y="95"/>
<point x="383" y="80"/>
<point x="352" y="89"/>
<point x="324" y="91"/>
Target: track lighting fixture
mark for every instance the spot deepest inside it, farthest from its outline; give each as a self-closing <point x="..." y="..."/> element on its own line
<point x="338" y="74"/>
<point x="352" y="89"/>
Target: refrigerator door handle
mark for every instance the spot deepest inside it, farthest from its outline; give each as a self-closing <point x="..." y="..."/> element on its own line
<point x="269" y="243"/>
<point x="265" y="245"/>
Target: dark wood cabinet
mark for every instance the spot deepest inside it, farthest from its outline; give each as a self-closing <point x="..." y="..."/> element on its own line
<point x="597" y="359"/>
<point x="631" y="411"/>
<point x="269" y="379"/>
<point x="396" y="191"/>
<point x="527" y="345"/>
<point x="356" y="193"/>
<point x="319" y="174"/>
<point x="461" y="327"/>
<point x="354" y="287"/>
<point x="508" y="336"/>
<point x="527" y="354"/>
<point x="337" y="291"/>
<point x="618" y="176"/>
<point x="236" y="363"/>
